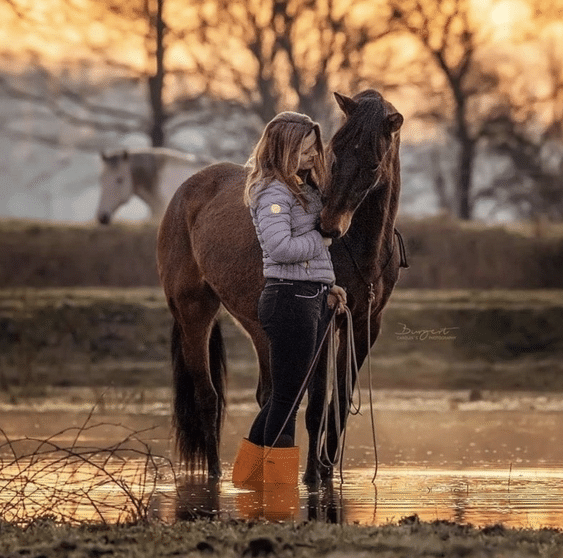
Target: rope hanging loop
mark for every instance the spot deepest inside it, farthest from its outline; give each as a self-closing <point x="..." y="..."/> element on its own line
<point x="352" y="387"/>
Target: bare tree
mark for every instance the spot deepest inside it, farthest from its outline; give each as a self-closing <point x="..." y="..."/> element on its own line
<point x="451" y="39"/>
<point x="293" y="51"/>
<point x="73" y="96"/>
<point x="269" y="55"/>
<point x="445" y="32"/>
<point x="527" y="128"/>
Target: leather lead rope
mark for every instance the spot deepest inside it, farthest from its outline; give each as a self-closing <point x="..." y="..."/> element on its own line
<point x="351" y="387"/>
<point x="376" y="458"/>
<point x="402" y="250"/>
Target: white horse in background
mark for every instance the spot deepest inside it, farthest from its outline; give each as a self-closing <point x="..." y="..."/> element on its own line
<point x="152" y="173"/>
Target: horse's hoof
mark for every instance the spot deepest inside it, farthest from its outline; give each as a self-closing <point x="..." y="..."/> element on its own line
<point x="311" y="478"/>
<point x="214" y="474"/>
<point x="319" y="475"/>
<point x="326" y="473"/>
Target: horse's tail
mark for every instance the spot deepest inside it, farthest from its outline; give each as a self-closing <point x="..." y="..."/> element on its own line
<point x="188" y="421"/>
<point x="218" y="367"/>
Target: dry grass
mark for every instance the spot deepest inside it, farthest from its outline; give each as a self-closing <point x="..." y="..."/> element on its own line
<point x="100" y="337"/>
<point x="233" y="539"/>
<point x="448" y="254"/>
<point x="444" y="254"/>
<point x="76" y="483"/>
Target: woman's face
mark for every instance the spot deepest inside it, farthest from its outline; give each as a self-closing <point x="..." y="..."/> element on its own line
<point x="308" y="151"/>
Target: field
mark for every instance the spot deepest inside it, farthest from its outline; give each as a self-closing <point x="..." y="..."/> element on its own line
<point x="444" y="339"/>
<point x="479" y="309"/>
<point x="443" y="254"/>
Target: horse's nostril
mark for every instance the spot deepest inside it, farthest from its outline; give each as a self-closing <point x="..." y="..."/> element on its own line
<point x="104" y="219"/>
<point x="329" y="232"/>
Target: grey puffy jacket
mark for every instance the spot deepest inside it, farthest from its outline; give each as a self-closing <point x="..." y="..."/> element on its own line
<point x="292" y="248"/>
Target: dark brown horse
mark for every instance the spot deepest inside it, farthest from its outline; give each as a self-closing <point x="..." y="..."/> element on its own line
<point x="208" y="255"/>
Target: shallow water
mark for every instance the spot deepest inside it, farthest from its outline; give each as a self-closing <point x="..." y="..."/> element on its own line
<point x="479" y="459"/>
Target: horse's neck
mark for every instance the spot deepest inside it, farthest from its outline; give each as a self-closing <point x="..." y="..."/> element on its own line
<point x="153" y="198"/>
<point x="372" y="231"/>
<point x="158" y="191"/>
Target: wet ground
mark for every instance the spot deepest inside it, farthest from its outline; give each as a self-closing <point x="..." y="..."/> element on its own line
<point x="467" y="457"/>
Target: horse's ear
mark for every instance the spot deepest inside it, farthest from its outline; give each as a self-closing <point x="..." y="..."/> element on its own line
<point x="394" y="122"/>
<point x="345" y="103"/>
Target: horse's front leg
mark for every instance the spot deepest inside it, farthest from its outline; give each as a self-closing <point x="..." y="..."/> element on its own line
<point x="333" y="434"/>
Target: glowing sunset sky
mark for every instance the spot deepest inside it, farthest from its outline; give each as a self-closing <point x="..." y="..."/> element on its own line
<point x="62" y="29"/>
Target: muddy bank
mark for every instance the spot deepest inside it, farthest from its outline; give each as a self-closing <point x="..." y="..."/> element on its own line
<point x="429" y="340"/>
<point x="408" y="538"/>
<point x="443" y="254"/>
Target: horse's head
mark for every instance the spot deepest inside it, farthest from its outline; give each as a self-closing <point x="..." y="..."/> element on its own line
<point x="117" y="184"/>
<point x="363" y="155"/>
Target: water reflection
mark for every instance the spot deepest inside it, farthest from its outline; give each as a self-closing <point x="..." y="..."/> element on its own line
<point x="520" y="499"/>
<point x="326" y="503"/>
<point x="268" y="501"/>
<point x="197" y="497"/>
<point x="443" y="461"/>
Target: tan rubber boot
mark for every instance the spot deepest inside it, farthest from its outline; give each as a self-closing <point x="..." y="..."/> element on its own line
<point x="248" y="467"/>
<point x="281" y="465"/>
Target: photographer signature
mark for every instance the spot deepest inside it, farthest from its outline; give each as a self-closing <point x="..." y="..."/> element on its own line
<point x="423" y="334"/>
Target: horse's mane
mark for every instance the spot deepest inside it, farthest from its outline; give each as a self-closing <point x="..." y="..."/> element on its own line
<point x="360" y="126"/>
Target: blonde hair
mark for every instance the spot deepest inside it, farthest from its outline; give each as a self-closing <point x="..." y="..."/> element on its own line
<point x="276" y="156"/>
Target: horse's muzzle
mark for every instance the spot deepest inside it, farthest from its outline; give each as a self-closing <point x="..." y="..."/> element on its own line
<point x="335" y="226"/>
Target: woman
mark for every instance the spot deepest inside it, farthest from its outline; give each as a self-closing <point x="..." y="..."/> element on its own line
<point x="283" y="192"/>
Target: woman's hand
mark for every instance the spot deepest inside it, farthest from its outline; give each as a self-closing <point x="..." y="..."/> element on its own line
<point x="327" y="241"/>
<point x="337" y="297"/>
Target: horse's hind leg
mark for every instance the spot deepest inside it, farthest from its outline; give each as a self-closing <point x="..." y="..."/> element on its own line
<point x="198" y="391"/>
<point x="262" y="348"/>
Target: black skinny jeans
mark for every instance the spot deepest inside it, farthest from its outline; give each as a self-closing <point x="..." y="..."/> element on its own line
<point x="294" y="315"/>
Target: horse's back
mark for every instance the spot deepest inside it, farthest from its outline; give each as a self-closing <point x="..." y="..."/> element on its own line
<point x="204" y="185"/>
